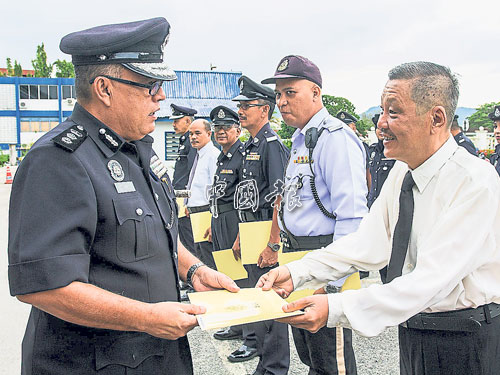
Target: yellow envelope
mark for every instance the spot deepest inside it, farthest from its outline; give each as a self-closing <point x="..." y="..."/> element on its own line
<point x="284" y="258"/>
<point x="352" y="282"/>
<point x="225" y="262"/>
<point x="182" y="207"/>
<point x="254" y="237"/>
<point x="247" y="306"/>
<point x="297" y="294"/>
<point x="200" y="222"/>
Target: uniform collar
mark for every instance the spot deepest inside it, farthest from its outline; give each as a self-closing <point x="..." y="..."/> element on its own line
<point x="423" y="174"/>
<point x="315" y="122"/>
<point x="259" y="137"/>
<point x="232" y="150"/>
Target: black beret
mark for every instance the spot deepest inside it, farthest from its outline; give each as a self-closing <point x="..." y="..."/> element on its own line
<point x="221" y="115"/>
<point x="294" y="66"/>
<point x="495" y="115"/>
<point x="179" y="111"/>
<point x="375" y="119"/>
<point x="136" y="45"/>
<point x="250" y="90"/>
<point x="346" y="117"/>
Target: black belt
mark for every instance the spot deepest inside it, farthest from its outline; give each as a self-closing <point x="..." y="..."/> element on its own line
<point x="223" y="208"/>
<point x="467" y="320"/>
<point x="194" y="210"/>
<point x="300" y="243"/>
<point x="262" y="215"/>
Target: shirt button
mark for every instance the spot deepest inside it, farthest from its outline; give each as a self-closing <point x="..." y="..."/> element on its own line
<point x="244" y="169"/>
<point x="410" y="266"/>
<point x="294" y="151"/>
<point x="157" y="196"/>
<point x="102" y="131"/>
<point x="139" y="211"/>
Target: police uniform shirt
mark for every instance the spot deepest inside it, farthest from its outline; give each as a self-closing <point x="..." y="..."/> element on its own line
<point x="380" y="166"/>
<point x="228" y="172"/>
<point x="495" y="158"/>
<point x="445" y="268"/>
<point x="203" y="175"/>
<point x="184" y="162"/>
<point x="339" y="165"/>
<point x="94" y="214"/>
<point x="265" y="158"/>
<point x="466" y="143"/>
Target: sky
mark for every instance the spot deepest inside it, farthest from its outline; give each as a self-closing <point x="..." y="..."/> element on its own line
<point x="354" y="43"/>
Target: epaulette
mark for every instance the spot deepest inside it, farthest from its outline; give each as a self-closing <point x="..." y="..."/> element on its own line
<point x="70" y="139"/>
<point x="333" y="125"/>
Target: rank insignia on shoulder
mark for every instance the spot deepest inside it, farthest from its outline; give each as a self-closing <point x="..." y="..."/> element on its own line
<point x="273" y="138"/>
<point x="253" y="157"/>
<point x="226" y="171"/>
<point x="157" y="166"/>
<point x="70" y="139"/>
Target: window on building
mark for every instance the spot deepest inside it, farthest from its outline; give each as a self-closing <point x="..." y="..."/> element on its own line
<point x="53" y="92"/>
<point x="38" y="124"/>
<point x="24" y="92"/>
<point x="68" y="92"/>
<point x="44" y="91"/>
<point x="33" y="91"/>
<point x="171" y="145"/>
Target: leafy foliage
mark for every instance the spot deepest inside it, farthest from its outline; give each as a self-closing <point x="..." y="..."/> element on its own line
<point x="335" y="104"/>
<point x="10" y="70"/>
<point x="18" y="70"/>
<point x="480" y="117"/>
<point x="40" y="65"/>
<point x="64" y="69"/>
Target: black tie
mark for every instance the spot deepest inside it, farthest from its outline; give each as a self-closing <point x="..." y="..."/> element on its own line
<point x="402" y="230"/>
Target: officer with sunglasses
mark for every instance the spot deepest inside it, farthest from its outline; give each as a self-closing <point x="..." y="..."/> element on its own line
<point x="93" y="229"/>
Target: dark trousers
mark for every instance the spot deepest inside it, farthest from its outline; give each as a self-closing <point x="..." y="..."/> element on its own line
<point x="204" y="252"/>
<point x="186" y="234"/>
<point x="327" y="352"/>
<point x="443" y="352"/>
<point x="272" y="337"/>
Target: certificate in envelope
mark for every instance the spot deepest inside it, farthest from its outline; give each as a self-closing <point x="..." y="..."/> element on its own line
<point x="249" y="305"/>
<point x="254" y="237"/>
<point x="200" y="222"/>
<point x="225" y="262"/>
<point x="182" y="207"/>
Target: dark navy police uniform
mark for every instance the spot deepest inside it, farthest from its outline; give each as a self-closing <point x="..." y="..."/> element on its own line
<point x="380" y="166"/>
<point x="495" y="158"/>
<point x="465" y="142"/>
<point x="95" y="214"/>
<point x="86" y="207"/>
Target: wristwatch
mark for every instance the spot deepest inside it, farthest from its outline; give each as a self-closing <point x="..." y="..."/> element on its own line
<point x="330" y="287"/>
<point x="274" y="246"/>
<point x="191" y="271"/>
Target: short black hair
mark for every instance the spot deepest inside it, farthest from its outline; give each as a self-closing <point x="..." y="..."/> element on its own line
<point x="271" y="107"/>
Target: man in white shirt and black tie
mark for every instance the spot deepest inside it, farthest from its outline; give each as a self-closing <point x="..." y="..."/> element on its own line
<point x="435" y="225"/>
<point x="201" y="178"/>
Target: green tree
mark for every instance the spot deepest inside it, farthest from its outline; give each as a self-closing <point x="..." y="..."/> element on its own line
<point x="480" y="117"/>
<point x="335" y="104"/>
<point x="18" y="70"/>
<point x="10" y="71"/>
<point x="40" y="65"/>
<point x="64" y="69"/>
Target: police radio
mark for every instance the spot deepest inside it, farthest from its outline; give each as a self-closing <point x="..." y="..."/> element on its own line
<point x="310" y="141"/>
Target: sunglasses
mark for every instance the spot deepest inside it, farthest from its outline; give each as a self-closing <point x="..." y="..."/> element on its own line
<point x="245" y="106"/>
<point x="152" y="87"/>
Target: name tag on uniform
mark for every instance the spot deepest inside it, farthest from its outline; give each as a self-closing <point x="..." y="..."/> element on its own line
<point x="253" y="157"/>
<point x="226" y="171"/>
<point x="124" y="187"/>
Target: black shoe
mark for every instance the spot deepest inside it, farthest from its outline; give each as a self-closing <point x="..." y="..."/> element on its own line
<point x="244" y="353"/>
<point x="227" y="334"/>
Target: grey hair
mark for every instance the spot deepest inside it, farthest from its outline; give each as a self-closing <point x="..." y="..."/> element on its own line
<point x="208" y="125"/>
<point x="85" y="73"/>
<point x="268" y="103"/>
<point x="432" y="85"/>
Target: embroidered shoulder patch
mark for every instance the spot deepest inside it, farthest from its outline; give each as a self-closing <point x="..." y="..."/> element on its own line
<point x="70" y="139"/>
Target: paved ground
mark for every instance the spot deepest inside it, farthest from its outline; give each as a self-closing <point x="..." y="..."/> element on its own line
<point x="374" y="356"/>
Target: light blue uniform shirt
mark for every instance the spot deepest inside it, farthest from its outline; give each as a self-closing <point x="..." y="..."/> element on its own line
<point x="339" y="164"/>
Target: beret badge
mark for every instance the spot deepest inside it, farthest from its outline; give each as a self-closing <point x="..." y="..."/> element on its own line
<point x="283" y="65"/>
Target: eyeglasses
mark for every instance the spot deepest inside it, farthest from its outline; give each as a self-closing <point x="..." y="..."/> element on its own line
<point x="152" y="87"/>
<point x="245" y="106"/>
<point x="224" y="127"/>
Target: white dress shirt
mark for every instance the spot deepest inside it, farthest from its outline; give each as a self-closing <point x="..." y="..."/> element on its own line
<point x="453" y="260"/>
<point x="203" y="175"/>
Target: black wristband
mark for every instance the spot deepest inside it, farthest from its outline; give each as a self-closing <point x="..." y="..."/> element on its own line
<point x="191" y="272"/>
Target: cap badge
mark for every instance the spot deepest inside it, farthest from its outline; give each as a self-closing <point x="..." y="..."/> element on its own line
<point x="221" y="114"/>
<point x="241" y="85"/>
<point x="116" y="170"/>
<point x="497" y="112"/>
<point x="342" y="116"/>
<point x="283" y="65"/>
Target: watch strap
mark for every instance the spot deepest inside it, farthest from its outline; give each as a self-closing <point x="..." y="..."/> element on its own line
<point x="191" y="271"/>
